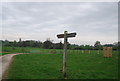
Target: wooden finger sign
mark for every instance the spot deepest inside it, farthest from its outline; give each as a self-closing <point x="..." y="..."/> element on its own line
<point x="65" y="36"/>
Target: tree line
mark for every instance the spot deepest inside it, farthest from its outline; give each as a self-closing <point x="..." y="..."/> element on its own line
<point x="48" y="44"/>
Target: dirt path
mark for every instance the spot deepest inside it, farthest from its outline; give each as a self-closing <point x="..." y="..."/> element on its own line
<point x="5" y="61"/>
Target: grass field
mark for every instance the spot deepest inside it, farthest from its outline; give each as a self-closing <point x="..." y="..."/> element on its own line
<point x="49" y="65"/>
<point x="31" y="50"/>
<point x="4" y="53"/>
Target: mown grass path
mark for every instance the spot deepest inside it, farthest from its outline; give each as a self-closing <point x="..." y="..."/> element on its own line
<point x="5" y="61"/>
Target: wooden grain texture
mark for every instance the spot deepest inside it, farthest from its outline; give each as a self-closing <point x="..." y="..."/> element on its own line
<point x="107" y="51"/>
<point x="65" y="55"/>
<point x="67" y="35"/>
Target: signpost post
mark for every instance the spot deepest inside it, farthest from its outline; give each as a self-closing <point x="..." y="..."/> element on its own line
<point x="65" y="36"/>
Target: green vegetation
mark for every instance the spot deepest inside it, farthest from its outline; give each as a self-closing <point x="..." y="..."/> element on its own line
<point x="48" y="44"/>
<point x="15" y="49"/>
<point x="4" y="53"/>
<point x="49" y="65"/>
<point x="30" y="50"/>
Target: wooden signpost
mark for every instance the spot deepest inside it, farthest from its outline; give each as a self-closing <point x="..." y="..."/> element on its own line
<point x="65" y="36"/>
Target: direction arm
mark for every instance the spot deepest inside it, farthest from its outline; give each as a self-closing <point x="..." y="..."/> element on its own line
<point x="67" y="35"/>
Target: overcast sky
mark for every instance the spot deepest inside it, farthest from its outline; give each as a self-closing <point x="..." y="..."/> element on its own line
<point x="38" y="21"/>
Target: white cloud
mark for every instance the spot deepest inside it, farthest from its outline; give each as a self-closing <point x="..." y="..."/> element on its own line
<point x="39" y="21"/>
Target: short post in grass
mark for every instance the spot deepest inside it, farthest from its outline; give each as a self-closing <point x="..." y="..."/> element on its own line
<point x="82" y="51"/>
<point x="65" y="36"/>
<point x="89" y="51"/>
<point x="110" y="51"/>
<point x="77" y="51"/>
<point x="98" y="52"/>
<point x="23" y="49"/>
<point x="104" y="49"/>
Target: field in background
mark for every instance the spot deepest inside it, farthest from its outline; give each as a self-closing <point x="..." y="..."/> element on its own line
<point x="4" y="53"/>
<point x="47" y="64"/>
<point x="30" y="50"/>
<point x="11" y="50"/>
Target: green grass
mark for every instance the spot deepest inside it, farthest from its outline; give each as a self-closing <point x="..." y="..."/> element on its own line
<point x="30" y="50"/>
<point x="4" y="53"/>
<point x="79" y="66"/>
<point x="36" y="66"/>
<point x="16" y="49"/>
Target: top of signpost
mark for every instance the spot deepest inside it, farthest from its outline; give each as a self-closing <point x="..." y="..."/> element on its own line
<point x="68" y="35"/>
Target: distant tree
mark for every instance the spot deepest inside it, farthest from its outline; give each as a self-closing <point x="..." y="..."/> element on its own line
<point x="108" y="45"/>
<point x="58" y="45"/>
<point x="23" y="44"/>
<point x="48" y="44"/>
<point x="73" y="46"/>
<point x="87" y="47"/>
<point x="116" y="45"/>
<point x="7" y="43"/>
<point x="20" y="43"/>
<point x="39" y="44"/>
<point x="97" y="45"/>
<point x="15" y="43"/>
<point x="68" y="45"/>
<point x="82" y="47"/>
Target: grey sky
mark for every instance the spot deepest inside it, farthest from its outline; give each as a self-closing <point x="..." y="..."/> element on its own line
<point x="38" y="21"/>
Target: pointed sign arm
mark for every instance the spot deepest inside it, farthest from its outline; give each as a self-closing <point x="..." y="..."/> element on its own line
<point x="68" y="35"/>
